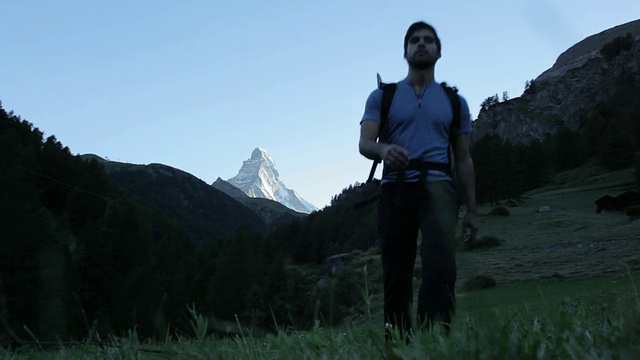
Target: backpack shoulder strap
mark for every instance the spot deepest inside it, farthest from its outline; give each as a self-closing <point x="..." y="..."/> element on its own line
<point x="388" y="92"/>
<point x="454" y="130"/>
<point x="454" y="99"/>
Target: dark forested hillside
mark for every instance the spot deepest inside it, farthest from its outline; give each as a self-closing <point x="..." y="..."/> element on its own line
<point x="75" y="255"/>
<point x="80" y="257"/>
<point x="206" y="213"/>
<point x="348" y="224"/>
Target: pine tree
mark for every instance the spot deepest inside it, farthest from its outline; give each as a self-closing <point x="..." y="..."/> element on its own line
<point x="534" y="164"/>
<point x="568" y="152"/>
<point x="509" y="180"/>
<point x="617" y="146"/>
<point x="487" y="157"/>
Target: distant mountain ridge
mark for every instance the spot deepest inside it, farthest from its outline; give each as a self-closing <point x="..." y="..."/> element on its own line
<point x="229" y="189"/>
<point x="206" y="213"/>
<point x="259" y="178"/>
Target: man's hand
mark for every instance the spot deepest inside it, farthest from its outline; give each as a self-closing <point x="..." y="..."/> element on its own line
<point x="395" y="157"/>
<point x="471" y="222"/>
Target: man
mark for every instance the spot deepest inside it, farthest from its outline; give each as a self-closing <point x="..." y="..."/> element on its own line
<point x="416" y="189"/>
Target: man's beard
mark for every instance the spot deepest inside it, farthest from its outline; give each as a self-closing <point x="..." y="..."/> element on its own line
<point x="422" y="64"/>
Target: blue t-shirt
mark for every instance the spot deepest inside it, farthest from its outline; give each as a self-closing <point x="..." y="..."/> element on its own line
<point x="420" y="124"/>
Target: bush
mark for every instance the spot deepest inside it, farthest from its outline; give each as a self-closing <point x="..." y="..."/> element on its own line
<point x="499" y="211"/>
<point x="613" y="48"/>
<point x="511" y="203"/>
<point x="337" y="300"/>
<point x="485" y="242"/>
<point x="479" y="282"/>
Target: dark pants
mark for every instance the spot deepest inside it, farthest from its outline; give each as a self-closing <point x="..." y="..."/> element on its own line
<point x="404" y="209"/>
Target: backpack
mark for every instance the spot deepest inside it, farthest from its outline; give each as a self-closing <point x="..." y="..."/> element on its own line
<point x="388" y="92"/>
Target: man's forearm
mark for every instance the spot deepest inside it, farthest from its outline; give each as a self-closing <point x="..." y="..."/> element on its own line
<point x="370" y="149"/>
<point x="467" y="181"/>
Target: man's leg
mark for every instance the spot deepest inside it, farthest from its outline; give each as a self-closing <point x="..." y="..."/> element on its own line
<point x="398" y="229"/>
<point x="438" y="218"/>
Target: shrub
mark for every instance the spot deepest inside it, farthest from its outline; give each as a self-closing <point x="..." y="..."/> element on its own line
<point x="499" y="211"/>
<point x="613" y="48"/>
<point x="485" y="242"/>
<point x="335" y="301"/>
<point x="479" y="282"/>
<point x="511" y="203"/>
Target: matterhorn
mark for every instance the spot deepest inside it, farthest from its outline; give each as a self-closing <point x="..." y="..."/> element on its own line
<point x="259" y="178"/>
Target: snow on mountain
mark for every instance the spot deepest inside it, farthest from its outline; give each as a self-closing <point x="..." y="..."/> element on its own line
<point x="259" y="178"/>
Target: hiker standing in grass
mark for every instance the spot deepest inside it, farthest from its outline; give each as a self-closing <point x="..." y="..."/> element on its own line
<point x="416" y="188"/>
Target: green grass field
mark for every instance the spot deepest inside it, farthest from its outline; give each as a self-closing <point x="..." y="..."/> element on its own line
<point x="566" y="288"/>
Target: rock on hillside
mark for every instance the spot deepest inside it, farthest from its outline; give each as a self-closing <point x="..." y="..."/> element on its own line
<point x="579" y="81"/>
<point x="587" y="49"/>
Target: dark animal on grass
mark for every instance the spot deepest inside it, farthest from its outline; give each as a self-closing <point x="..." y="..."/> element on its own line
<point x="618" y="203"/>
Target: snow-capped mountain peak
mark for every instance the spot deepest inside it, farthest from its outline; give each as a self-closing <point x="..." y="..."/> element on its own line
<point x="258" y="177"/>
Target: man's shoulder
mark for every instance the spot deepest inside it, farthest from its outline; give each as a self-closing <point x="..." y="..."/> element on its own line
<point x="399" y="83"/>
<point x="376" y="94"/>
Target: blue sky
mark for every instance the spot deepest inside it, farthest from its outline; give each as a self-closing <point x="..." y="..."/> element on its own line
<point x="197" y="85"/>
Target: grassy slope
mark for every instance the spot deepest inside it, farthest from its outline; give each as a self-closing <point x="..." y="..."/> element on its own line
<point x="571" y="241"/>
